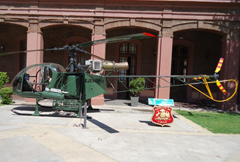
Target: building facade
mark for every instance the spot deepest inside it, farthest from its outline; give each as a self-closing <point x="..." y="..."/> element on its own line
<point x="191" y="37"/>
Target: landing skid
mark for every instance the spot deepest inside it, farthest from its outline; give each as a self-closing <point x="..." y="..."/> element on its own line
<point x="29" y="111"/>
<point x="48" y="111"/>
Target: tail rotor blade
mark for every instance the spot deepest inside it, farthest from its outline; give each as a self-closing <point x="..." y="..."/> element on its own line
<point x="219" y="66"/>
<point x="221" y="87"/>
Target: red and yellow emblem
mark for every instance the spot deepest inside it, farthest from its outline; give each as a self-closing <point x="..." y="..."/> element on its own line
<point x="162" y="115"/>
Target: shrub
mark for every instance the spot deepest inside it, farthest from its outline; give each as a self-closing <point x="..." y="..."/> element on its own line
<point x="137" y="85"/>
<point x="6" y="95"/>
<point x="3" y="79"/>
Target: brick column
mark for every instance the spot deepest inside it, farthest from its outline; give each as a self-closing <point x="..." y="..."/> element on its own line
<point x="99" y="50"/>
<point x="164" y="62"/>
<point x="230" y="70"/>
<point x="164" y="57"/>
<point x="34" y="42"/>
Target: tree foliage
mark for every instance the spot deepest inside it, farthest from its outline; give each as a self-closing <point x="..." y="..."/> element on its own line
<point x="7" y="92"/>
<point x="3" y="79"/>
<point x="6" y="95"/>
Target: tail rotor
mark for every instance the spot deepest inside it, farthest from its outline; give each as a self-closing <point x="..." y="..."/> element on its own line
<point x="218" y="83"/>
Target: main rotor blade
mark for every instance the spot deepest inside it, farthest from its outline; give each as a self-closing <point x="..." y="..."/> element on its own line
<point x="9" y="53"/>
<point x="117" y="39"/>
<point x="50" y="49"/>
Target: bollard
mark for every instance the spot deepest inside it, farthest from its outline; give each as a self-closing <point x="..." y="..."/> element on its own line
<point x="85" y="115"/>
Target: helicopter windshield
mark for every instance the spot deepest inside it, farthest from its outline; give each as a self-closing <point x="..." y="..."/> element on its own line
<point x="36" y="77"/>
<point x="16" y="83"/>
<point x="57" y="68"/>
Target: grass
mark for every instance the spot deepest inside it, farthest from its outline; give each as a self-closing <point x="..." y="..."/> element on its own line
<point x="228" y="123"/>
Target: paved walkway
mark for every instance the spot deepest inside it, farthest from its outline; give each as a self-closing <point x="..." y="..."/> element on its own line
<point x="114" y="133"/>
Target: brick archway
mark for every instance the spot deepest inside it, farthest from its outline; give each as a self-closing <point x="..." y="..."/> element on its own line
<point x="46" y="25"/>
<point x="149" y="25"/>
<point x="20" y="24"/>
<point x="203" y="25"/>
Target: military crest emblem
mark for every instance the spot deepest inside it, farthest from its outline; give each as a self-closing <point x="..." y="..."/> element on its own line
<point x="162" y="115"/>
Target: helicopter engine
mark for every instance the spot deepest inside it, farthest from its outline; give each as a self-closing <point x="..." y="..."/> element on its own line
<point x="97" y="65"/>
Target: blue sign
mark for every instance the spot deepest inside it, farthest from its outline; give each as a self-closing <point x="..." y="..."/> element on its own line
<point x="161" y="102"/>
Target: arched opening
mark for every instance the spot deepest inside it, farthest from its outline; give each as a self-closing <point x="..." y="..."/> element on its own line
<point x="21" y="58"/>
<point x="195" y="52"/>
<point x="140" y="55"/>
<point x="60" y="35"/>
<point x="12" y="38"/>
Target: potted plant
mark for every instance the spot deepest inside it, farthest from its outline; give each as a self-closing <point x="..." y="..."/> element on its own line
<point x="136" y="85"/>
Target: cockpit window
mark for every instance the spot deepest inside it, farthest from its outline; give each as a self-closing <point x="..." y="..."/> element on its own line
<point x="27" y="86"/>
<point x="17" y="81"/>
<point x="36" y="78"/>
<point x="58" y="68"/>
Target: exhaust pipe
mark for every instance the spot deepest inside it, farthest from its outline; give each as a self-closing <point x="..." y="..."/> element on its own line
<point x="113" y="66"/>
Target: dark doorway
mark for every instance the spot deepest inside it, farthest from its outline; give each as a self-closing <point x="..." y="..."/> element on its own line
<point x="127" y="53"/>
<point x="23" y="58"/>
<point x="179" y="67"/>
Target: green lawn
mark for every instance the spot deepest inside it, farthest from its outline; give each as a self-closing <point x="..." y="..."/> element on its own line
<point x="215" y="122"/>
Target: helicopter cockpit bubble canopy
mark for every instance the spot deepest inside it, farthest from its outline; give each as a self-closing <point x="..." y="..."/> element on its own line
<point x="36" y="77"/>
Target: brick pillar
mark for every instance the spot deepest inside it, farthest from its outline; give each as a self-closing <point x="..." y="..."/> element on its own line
<point x="164" y="62"/>
<point x="34" y="42"/>
<point x="99" y="50"/>
<point x="230" y="70"/>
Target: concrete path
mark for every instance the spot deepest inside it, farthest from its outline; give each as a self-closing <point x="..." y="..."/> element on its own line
<point x="114" y="133"/>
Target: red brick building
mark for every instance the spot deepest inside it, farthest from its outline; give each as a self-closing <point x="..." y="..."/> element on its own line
<point x="191" y="37"/>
